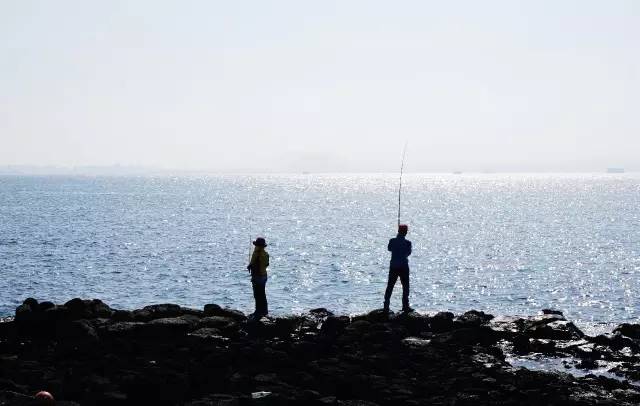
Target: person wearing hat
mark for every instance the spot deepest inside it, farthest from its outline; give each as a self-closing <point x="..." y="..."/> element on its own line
<point x="258" y="268"/>
<point x="400" y="249"/>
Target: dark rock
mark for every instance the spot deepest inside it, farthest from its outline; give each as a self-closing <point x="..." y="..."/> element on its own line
<point x="24" y="313"/>
<point x="220" y="399"/>
<point x="159" y="311"/>
<point x="334" y="325"/>
<point x="99" y="309"/>
<point x="521" y="344"/>
<point x="141" y="315"/>
<point x="218" y="322"/>
<point x="414" y="322"/>
<point x="416" y="342"/>
<point x="206" y="334"/>
<point x="616" y="341"/>
<point x="286" y="326"/>
<point x="46" y="305"/>
<point x="32" y="303"/>
<point x="473" y="318"/>
<point x="192" y="312"/>
<point x="543" y="346"/>
<point x="57" y="314"/>
<point x="76" y="330"/>
<point x="587" y="363"/>
<point x="124" y="329"/>
<point x="215" y="310"/>
<point x="215" y="357"/>
<point x="441" y="322"/>
<point x="9" y="385"/>
<point x="264" y="328"/>
<point x="629" y="330"/>
<point x="167" y="327"/>
<point x="466" y="336"/>
<point x="112" y="398"/>
<point x="79" y="309"/>
<point x="552" y="311"/>
<point x="375" y="316"/>
<point x="7" y="330"/>
<point x="122" y="315"/>
<point x="555" y="330"/>
<point x="359" y="326"/>
<point x="321" y="312"/>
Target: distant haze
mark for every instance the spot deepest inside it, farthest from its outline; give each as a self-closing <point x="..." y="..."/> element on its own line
<point x="282" y="86"/>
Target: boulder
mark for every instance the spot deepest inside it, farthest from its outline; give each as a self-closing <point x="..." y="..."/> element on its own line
<point x="441" y="322"/>
<point x="215" y="310"/>
<point x="157" y="311"/>
<point x="79" y="308"/>
<point x="415" y="342"/>
<point x="25" y="314"/>
<point x="615" y="341"/>
<point x="552" y="311"/>
<point x="629" y="330"/>
<point x="76" y="330"/>
<point x="122" y="315"/>
<point x="217" y="322"/>
<point x="32" y="303"/>
<point x="57" y="314"/>
<point x="46" y="305"/>
<point x="166" y="327"/>
<point x="320" y="312"/>
<point x="472" y="318"/>
<point x="123" y="329"/>
<point x="555" y="330"/>
<point x="99" y="309"/>
<point x="466" y="336"/>
<point x="286" y="326"/>
<point x="334" y="325"/>
<point x="358" y="327"/>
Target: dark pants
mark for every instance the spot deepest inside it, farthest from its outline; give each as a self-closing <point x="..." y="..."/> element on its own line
<point x="403" y="274"/>
<point x="259" y="283"/>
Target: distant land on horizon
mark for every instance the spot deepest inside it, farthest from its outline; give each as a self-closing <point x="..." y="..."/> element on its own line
<point x="132" y="170"/>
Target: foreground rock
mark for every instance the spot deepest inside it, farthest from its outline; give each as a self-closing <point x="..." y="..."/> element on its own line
<point x="85" y="352"/>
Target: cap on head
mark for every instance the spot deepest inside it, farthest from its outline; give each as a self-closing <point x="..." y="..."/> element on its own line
<point x="260" y="242"/>
<point x="403" y="229"/>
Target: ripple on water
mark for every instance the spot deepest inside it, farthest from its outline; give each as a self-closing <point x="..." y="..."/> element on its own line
<point x="505" y="244"/>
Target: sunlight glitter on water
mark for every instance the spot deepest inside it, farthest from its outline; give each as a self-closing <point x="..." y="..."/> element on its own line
<point x="506" y="244"/>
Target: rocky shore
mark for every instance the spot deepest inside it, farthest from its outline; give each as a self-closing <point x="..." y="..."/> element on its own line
<point x="84" y="352"/>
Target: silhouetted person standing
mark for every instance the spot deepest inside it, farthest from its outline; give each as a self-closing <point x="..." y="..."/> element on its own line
<point x="400" y="249"/>
<point x="258" y="267"/>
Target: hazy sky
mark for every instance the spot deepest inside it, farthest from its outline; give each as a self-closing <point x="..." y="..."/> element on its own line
<point x="321" y="86"/>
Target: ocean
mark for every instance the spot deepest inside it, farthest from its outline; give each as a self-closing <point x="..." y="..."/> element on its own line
<point x="503" y="243"/>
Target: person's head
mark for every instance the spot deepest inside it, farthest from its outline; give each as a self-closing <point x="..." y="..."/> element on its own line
<point x="403" y="229"/>
<point x="260" y="242"/>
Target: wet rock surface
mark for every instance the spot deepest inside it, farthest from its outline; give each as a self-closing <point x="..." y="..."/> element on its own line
<point x="84" y="352"/>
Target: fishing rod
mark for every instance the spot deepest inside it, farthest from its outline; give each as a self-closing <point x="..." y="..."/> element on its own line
<point x="250" y="243"/>
<point x="404" y="151"/>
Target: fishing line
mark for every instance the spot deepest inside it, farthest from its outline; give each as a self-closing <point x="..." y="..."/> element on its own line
<point x="404" y="151"/>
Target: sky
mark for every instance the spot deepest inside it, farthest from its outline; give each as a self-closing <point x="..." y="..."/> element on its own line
<point x="323" y="86"/>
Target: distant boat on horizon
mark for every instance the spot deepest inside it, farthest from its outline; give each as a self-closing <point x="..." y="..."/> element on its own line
<point x="615" y="170"/>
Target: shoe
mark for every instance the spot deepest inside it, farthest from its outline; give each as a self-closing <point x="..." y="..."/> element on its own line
<point x="407" y="310"/>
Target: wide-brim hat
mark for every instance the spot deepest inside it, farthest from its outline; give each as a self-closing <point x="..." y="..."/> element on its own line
<point x="260" y="242"/>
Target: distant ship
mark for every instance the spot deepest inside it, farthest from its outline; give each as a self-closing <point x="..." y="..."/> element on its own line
<point x="615" y="170"/>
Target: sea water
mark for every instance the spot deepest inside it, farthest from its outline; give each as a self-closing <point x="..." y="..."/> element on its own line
<point x="504" y="244"/>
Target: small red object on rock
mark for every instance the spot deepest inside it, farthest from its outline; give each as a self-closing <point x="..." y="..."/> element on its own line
<point x="45" y="398"/>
